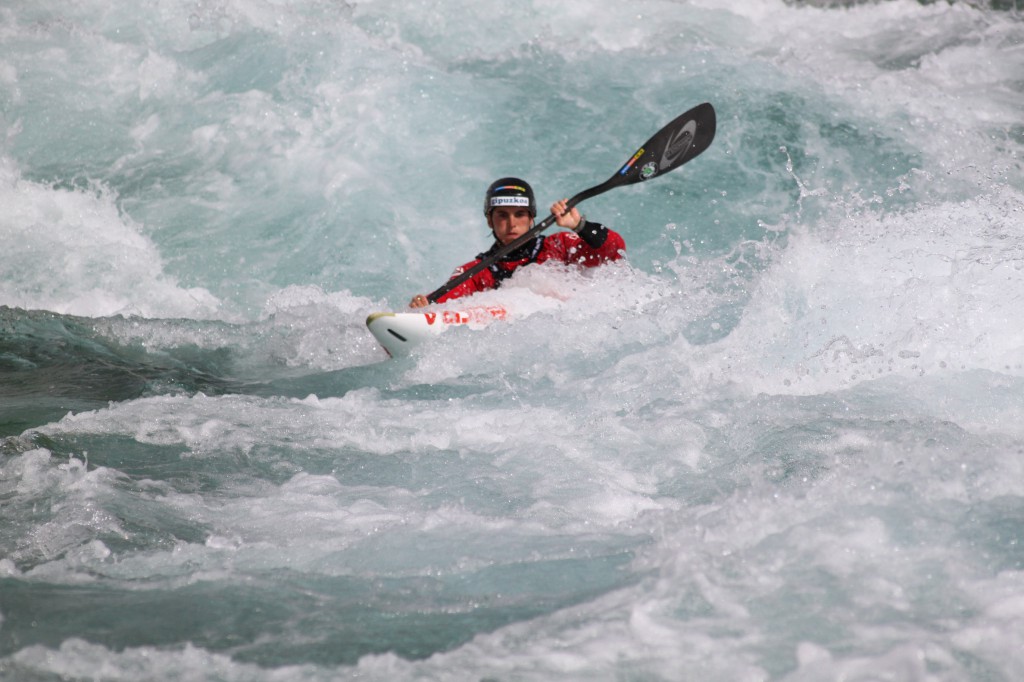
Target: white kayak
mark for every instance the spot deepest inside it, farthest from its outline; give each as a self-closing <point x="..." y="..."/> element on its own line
<point x="399" y="333"/>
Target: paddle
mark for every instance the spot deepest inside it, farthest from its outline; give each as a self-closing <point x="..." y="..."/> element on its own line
<point x="671" y="147"/>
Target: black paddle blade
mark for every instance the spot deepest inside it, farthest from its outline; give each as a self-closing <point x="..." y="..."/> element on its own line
<point x="681" y="140"/>
<point x="672" y="146"/>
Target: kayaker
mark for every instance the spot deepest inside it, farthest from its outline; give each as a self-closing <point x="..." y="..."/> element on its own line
<point x="510" y="209"/>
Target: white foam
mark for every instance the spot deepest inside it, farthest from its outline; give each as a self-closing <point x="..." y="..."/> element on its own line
<point x="73" y="251"/>
<point x="922" y="291"/>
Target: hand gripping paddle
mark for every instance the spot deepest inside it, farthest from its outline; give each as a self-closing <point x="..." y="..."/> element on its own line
<point x="672" y="146"/>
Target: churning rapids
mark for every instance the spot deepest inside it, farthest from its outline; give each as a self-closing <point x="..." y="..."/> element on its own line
<point x="782" y="440"/>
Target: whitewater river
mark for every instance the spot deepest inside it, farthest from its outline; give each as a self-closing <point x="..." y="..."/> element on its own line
<point x="782" y="440"/>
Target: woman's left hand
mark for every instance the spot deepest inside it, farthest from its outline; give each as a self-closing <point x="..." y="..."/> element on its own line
<point x="569" y="219"/>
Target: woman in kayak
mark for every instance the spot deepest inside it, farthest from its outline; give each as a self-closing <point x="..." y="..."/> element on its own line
<point x="510" y="209"/>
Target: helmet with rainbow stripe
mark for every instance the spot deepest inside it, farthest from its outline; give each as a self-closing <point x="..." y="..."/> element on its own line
<point x="509" y="192"/>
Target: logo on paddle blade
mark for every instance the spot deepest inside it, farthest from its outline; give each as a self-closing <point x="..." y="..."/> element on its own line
<point x="648" y="171"/>
<point x="679" y="144"/>
<point x="629" y="164"/>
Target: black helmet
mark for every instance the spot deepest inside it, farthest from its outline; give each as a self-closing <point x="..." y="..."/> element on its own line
<point x="509" y="192"/>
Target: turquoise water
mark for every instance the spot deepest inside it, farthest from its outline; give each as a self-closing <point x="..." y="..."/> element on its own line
<point x="781" y="441"/>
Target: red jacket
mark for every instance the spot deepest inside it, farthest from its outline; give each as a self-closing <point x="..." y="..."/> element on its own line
<point x="593" y="245"/>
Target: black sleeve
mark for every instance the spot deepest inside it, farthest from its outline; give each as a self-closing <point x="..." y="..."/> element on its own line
<point x="594" y="234"/>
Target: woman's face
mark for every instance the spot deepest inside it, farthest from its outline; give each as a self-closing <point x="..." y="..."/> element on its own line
<point x="510" y="222"/>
